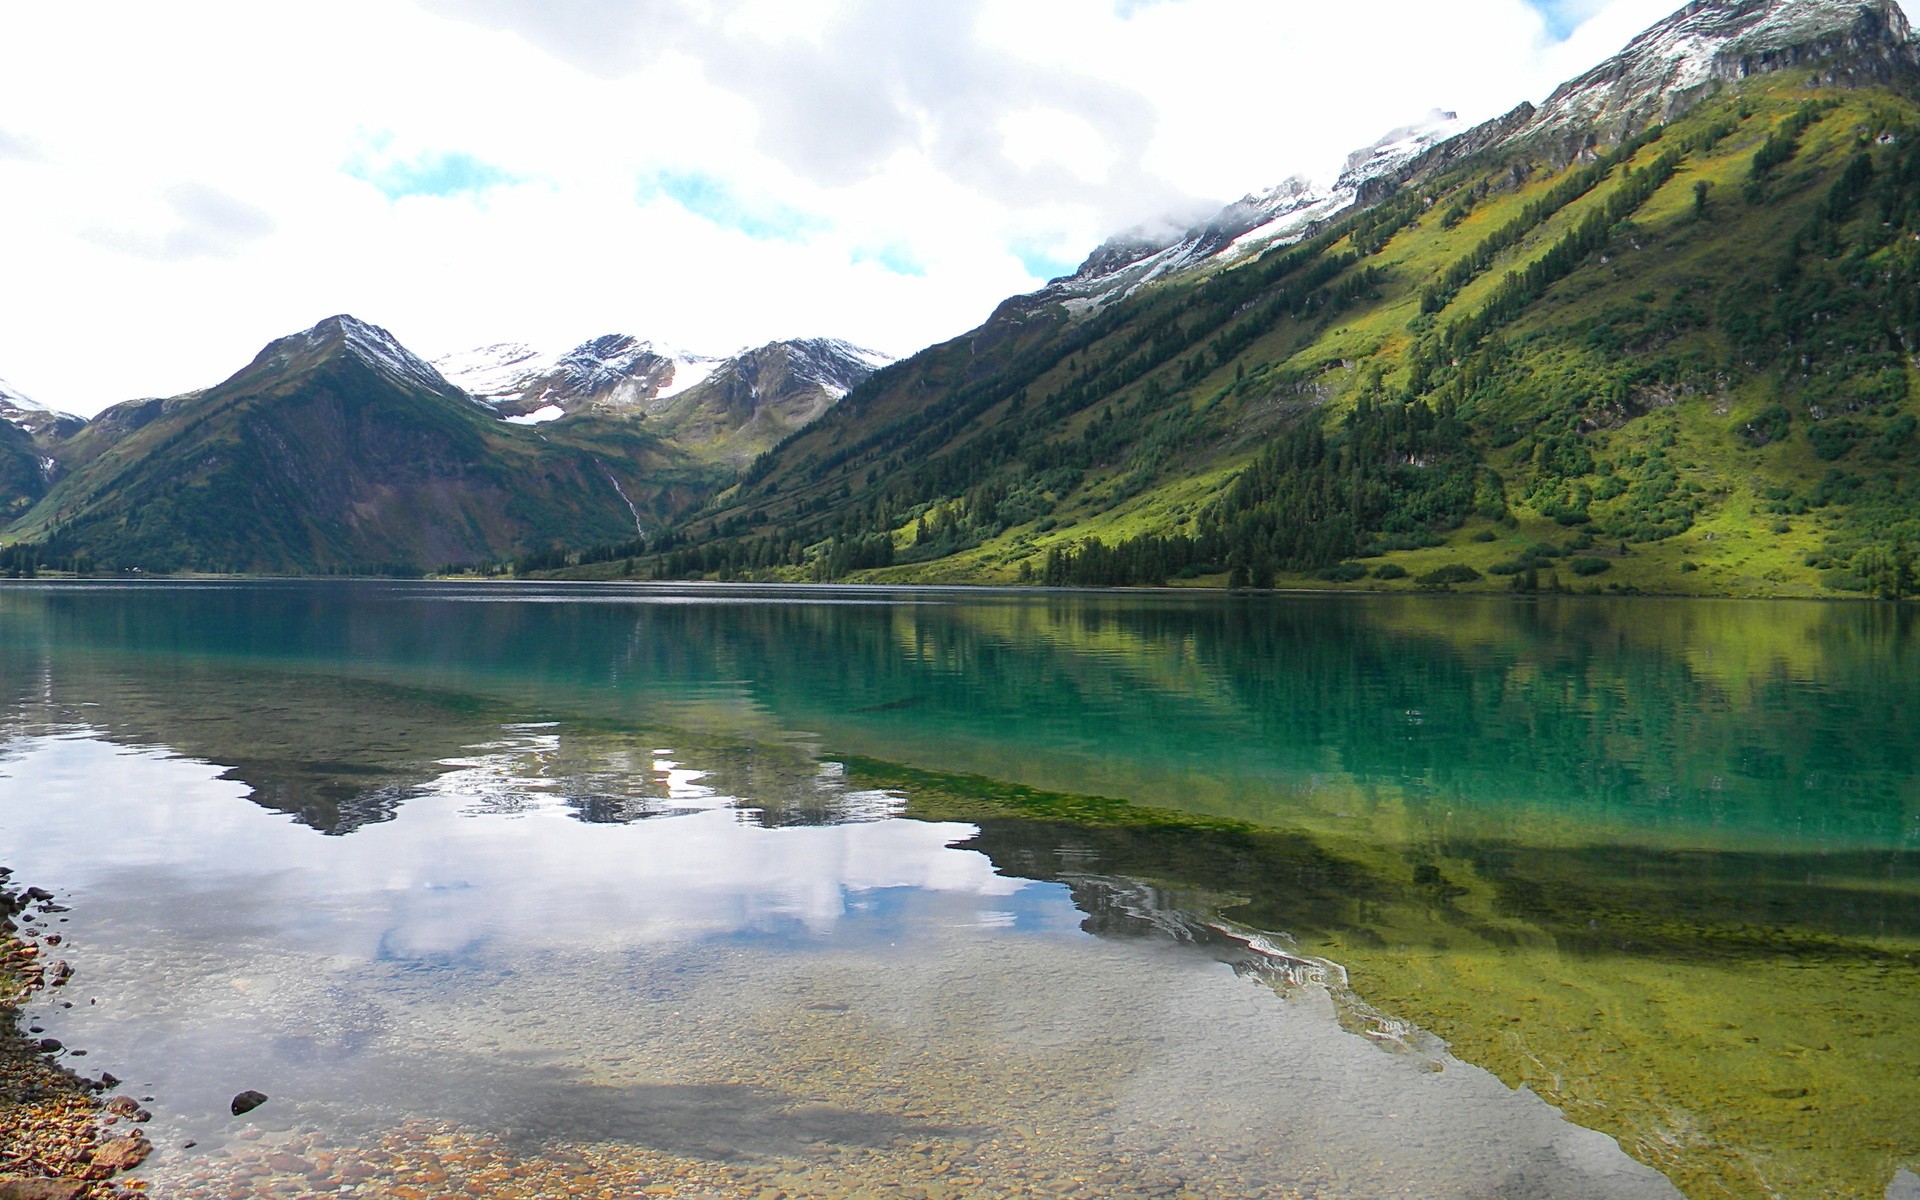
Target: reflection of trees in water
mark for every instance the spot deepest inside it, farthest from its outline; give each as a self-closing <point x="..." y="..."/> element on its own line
<point x="1636" y="711"/>
<point x="1671" y="905"/>
<point x="1774" y="718"/>
<point x="339" y="753"/>
<point x="1633" y="987"/>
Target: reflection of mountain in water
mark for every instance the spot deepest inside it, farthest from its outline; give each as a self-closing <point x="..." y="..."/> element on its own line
<point x="337" y="753"/>
<point x="1121" y="907"/>
<point x="1585" y="901"/>
<point x="1715" y="718"/>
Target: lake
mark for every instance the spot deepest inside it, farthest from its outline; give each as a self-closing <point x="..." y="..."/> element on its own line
<point x="733" y="891"/>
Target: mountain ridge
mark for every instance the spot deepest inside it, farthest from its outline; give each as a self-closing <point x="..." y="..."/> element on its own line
<point x="337" y="449"/>
<point x="721" y="409"/>
<point x="1663" y="69"/>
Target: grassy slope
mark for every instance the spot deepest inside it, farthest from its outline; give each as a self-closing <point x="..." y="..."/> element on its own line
<point x="1734" y="544"/>
<point x="1662" y="255"/>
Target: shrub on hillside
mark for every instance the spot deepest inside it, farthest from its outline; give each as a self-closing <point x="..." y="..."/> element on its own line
<point x="1450" y="574"/>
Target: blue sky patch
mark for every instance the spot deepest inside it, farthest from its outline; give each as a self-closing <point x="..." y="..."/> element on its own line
<point x="432" y="173"/>
<point x="896" y="258"/>
<point x="1044" y="263"/>
<point x="716" y="201"/>
<point x="1562" y="16"/>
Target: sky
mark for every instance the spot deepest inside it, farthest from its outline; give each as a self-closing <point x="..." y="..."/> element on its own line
<point x="182" y="183"/>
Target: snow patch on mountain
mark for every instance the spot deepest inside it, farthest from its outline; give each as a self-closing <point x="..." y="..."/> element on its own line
<point x="614" y="369"/>
<point x="601" y="364"/>
<point x="689" y="372"/>
<point x="539" y="416"/>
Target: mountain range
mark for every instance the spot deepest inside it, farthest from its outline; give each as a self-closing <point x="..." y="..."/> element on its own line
<point x="1658" y="332"/>
<point x="339" y="450"/>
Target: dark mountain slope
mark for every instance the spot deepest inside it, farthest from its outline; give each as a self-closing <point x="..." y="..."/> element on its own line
<point x="338" y="450"/>
<point x="1582" y="351"/>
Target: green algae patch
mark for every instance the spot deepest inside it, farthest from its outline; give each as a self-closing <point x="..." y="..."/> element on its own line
<point x="1738" y="1019"/>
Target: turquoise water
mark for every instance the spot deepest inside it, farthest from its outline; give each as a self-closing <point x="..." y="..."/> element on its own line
<point x="818" y="890"/>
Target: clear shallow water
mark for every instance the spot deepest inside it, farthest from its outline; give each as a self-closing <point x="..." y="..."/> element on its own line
<point x="737" y="891"/>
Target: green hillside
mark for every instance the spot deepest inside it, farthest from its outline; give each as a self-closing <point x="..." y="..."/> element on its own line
<point x="1682" y="362"/>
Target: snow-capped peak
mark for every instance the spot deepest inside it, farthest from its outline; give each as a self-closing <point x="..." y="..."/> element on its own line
<point x="494" y="370"/>
<point x="369" y="343"/>
<point x="623" y="375"/>
<point x="1398" y="148"/>
<point x="37" y="419"/>
<point x="599" y="365"/>
<point x="1256" y="222"/>
<point x="9" y="398"/>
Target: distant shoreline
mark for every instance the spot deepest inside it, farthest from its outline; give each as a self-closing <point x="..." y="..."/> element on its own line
<point x="999" y="589"/>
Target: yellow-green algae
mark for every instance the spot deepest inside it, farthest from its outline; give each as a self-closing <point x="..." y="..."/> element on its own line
<point x="1740" y="1021"/>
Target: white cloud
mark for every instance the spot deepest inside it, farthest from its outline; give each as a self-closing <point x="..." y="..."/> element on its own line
<point x="202" y="177"/>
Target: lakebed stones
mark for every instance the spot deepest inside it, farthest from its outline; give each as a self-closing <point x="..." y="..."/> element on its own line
<point x="52" y="1126"/>
<point x="41" y="1189"/>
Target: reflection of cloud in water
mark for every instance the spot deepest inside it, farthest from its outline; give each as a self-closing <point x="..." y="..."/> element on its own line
<point x="431" y="884"/>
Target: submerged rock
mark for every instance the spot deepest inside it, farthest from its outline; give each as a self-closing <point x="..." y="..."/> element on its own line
<point x="247" y="1101"/>
<point x="120" y="1154"/>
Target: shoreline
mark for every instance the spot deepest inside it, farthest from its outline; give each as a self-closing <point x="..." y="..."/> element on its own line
<point x="59" y="1140"/>
<point x="870" y="587"/>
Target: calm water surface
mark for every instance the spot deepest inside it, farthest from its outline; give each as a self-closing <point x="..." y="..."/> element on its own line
<point x="550" y="891"/>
